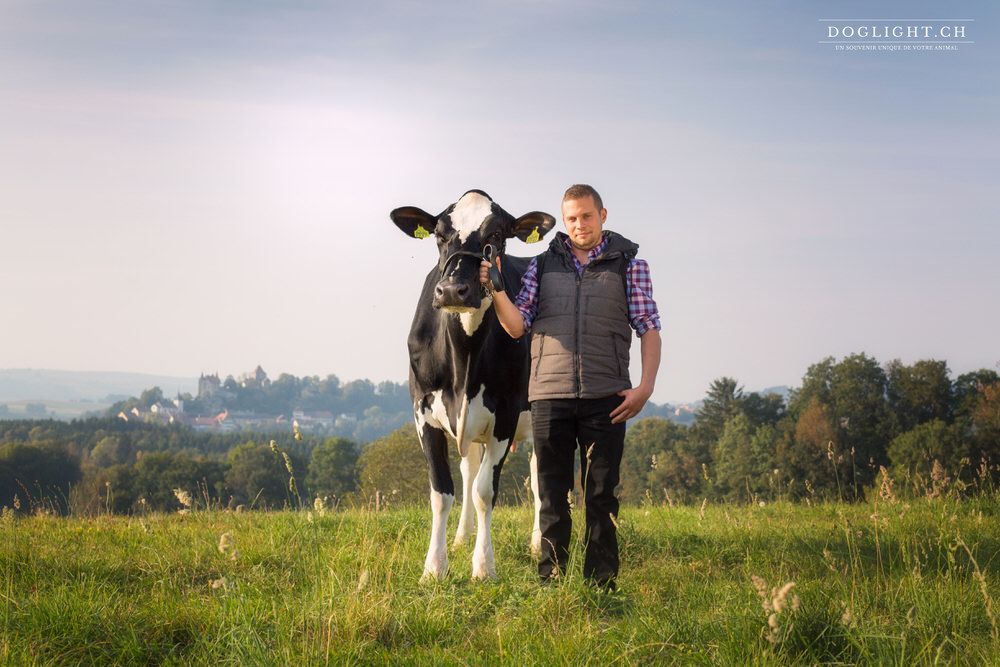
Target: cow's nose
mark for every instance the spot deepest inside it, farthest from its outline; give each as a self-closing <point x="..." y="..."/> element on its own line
<point x="451" y="293"/>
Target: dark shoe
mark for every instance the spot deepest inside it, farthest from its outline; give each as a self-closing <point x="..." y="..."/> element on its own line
<point x="549" y="579"/>
<point x="606" y="586"/>
<point x="547" y="570"/>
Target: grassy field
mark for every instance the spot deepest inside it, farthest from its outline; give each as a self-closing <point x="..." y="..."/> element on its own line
<point x="887" y="583"/>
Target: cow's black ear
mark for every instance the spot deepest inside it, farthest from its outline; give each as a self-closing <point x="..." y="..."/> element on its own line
<point x="414" y="222"/>
<point x="531" y="227"/>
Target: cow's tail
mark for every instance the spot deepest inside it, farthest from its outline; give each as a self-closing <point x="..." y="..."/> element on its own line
<point x="462" y="417"/>
<point x="463" y="414"/>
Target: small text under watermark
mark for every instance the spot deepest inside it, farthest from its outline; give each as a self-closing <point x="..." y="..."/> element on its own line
<point x="897" y="34"/>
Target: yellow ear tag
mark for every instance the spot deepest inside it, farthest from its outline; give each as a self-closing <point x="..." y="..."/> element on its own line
<point x="420" y="232"/>
<point x="533" y="237"/>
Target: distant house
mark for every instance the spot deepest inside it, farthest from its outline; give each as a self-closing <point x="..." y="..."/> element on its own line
<point x="225" y="424"/>
<point x="133" y="415"/>
<point x="346" y="420"/>
<point x="313" y="421"/>
<point x="144" y="415"/>
<point x="161" y="408"/>
<point x="258" y="379"/>
<point x="216" y="424"/>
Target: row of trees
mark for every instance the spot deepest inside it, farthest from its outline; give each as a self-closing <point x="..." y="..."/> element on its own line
<point x="46" y="475"/>
<point x="108" y="441"/>
<point x="830" y="439"/>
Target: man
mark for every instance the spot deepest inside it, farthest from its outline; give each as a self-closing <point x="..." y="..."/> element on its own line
<point x="580" y="300"/>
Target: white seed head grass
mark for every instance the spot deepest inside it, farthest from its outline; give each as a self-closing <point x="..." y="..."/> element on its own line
<point x="184" y="498"/>
<point x="226" y="542"/>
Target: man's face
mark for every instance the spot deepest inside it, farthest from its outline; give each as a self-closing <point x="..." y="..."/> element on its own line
<point x="583" y="222"/>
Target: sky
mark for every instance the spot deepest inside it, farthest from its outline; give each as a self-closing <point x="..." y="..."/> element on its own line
<point x="202" y="186"/>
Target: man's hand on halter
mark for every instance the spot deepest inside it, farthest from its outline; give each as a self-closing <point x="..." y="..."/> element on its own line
<point x="488" y="273"/>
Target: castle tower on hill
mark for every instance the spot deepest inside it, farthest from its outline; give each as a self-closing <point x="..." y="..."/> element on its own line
<point x="208" y="385"/>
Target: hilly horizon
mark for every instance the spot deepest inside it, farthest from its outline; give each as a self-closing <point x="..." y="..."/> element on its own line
<point x="34" y="384"/>
<point x="18" y="384"/>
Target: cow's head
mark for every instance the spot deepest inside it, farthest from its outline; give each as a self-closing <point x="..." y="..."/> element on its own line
<point x="463" y="231"/>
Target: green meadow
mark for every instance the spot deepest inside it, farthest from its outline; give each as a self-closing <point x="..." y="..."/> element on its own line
<point x="887" y="582"/>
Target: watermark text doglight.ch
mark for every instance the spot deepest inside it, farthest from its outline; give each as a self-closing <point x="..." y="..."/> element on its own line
<point x="897" y="34"/>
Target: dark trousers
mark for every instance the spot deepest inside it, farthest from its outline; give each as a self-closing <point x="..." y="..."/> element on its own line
<point x="561" y="428"/>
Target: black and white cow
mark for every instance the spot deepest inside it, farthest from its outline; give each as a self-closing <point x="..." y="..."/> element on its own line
<point x="468" y="378"/>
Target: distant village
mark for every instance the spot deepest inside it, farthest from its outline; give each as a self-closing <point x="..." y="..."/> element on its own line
<point x="213" y="396"/>
<point x="214" y="412"/>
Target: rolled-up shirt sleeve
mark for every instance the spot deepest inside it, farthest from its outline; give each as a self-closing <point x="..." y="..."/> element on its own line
<point x="642" y="311"/>
<point x="527" y="299"/>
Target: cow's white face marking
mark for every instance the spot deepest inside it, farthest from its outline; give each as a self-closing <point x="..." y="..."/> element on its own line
<point x="469" y="213"/>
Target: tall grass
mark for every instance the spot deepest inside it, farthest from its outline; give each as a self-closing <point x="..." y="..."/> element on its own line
<point x="883" y="582"/>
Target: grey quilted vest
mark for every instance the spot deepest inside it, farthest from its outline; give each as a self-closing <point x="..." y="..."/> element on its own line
<point x="581" y="336"/>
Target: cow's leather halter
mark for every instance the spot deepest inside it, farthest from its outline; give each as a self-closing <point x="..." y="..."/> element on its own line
<point x="489" y="254"/>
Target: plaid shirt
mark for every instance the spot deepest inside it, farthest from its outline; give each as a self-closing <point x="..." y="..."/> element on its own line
<point x="642" y="312"/>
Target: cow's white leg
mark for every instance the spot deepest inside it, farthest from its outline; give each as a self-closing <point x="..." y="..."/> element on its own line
<point x="524" y="431"/>
<point x="436" y="564"/>
<point x="435" y="446"/>
<point x="536" y="531"/>
<point x="470" y="469"/>
<point x="483" y="565"/>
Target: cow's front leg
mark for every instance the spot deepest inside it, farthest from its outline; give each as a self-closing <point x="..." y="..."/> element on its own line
<point x="536" y="530"/>
<point x="487" y="483"/>
<point x="470" y="469"/>
<point x="435" y="446"/>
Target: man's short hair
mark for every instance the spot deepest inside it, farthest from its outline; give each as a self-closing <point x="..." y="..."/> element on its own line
<point x="579" y="191"/>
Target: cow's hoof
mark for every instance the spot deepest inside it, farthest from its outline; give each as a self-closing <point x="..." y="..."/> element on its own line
<point x="429" y="576"/>
<point x="435" y="569"/>
<point x="536" y="546"/>
<point x="484" y="575"/>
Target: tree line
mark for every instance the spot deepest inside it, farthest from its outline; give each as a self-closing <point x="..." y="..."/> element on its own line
<point x="106" y="465"/>
<point x="851" y="425"/>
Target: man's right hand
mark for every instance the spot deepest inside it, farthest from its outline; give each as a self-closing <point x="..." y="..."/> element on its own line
<point x="490" y="273"/>
<point x="507" y="312"/>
